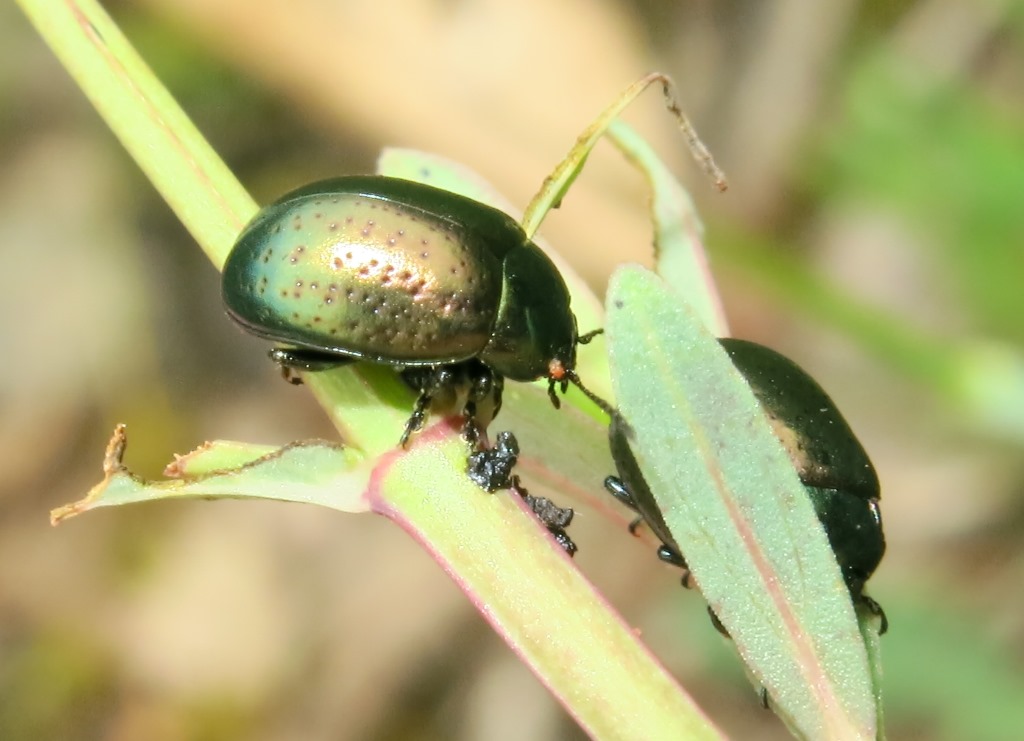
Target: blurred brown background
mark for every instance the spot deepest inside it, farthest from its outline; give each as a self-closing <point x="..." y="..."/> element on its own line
<point x="873" y="231"/>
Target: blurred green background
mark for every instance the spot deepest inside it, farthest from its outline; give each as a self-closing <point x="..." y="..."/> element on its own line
<point x="873" y="231"/>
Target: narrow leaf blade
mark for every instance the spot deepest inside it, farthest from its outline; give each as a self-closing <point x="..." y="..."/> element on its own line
<point x="678" y="231"/>
<point x="533" y="595"/>
<point x="312" y="472"/>
<point x="737" y="509"/>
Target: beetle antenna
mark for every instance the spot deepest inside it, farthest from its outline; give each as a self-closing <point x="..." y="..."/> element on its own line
<point x="601" y="403"/>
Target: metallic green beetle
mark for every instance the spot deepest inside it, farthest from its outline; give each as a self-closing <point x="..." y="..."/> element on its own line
<point x="832" y="465"/>
<point x="396" y="272"/>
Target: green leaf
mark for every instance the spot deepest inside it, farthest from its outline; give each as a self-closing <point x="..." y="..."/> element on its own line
<point x="678" y="231"/>
<point x="312" y="472"/>
<point x="733" y="501"/>
<point x="548" y="612"/>
<point x="557" y="184"/>
<point x="216" y="455"/>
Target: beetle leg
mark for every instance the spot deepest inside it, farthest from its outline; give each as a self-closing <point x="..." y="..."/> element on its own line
<point x="497" y="389"/>
<point x="583" y="339"/>
<point x="415" y="421"/>
<point x="876" y="609"/>
<point x="483" y="383"/>
<point x="666" y="553"/>
<point x="429" y="382"/>
<point x="615" y="487"/>
<point x="717" y="623"/>
<point x="470" y="428"/>
<point x="671" y="556"/>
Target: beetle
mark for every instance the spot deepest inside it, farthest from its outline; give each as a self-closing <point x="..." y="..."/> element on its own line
<point x="832" y="465"/>
<point x="392" y="271"/>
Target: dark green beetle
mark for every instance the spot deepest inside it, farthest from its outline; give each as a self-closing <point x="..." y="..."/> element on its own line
<point x="396" y="272"/>
<point x="832" y="465"/>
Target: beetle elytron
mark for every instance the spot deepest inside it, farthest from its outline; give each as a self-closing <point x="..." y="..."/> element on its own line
<point x="395" y="272"/>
